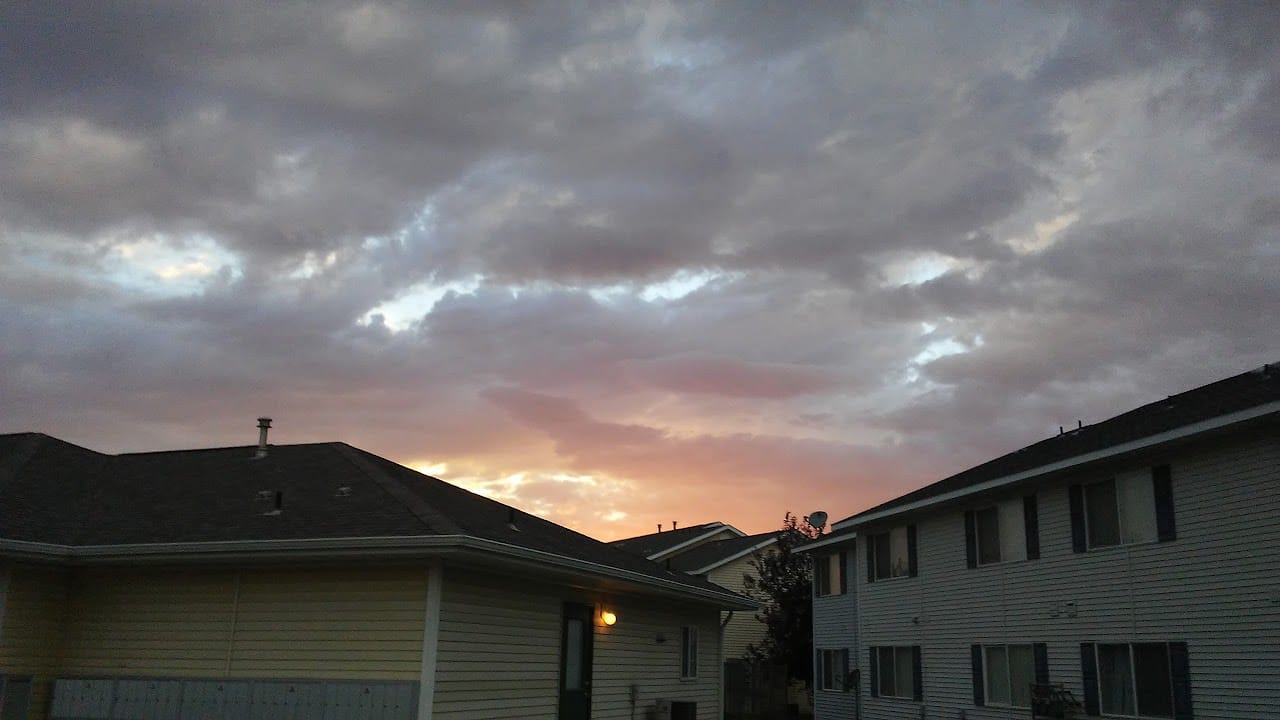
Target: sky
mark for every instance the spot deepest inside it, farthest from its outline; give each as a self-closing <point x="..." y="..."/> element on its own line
<point x="630" y="263"/>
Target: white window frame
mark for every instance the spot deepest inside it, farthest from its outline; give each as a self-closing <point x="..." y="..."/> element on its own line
<point x="897" y="686"/>
<point x="1123" y="487"/>
<point x="906" y="548"/>
<point x="1133" y="680"/>
<point x="1011" y="536"/>
<point x="1008" y="667"/>
<point x="688" y="652"/>
<point x="833" y="576"/>
<point x="832" y="658"/>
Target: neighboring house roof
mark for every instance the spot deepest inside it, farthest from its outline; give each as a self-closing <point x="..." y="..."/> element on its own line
<point x="659" y="544"/>
<point x="63" y="500"/>
<point x="709" y="556"/>
<point x="1249" y="397"/>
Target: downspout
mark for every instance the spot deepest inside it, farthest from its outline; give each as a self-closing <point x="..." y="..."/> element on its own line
<point x="430" y="640"/>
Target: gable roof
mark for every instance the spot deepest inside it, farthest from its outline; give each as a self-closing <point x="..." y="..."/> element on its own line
<point x="1248" y="397"/>
<point x="709" y="556"/>
<point x="656" y="545"/>
<point x="59" y="498"/>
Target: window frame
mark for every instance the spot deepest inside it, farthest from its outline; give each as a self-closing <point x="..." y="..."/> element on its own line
<point x="688" y="652"/>
<point x="1133" y="680"/>
<point x="911" y="680"/>
<point x="837" y="661"/>
<point x="885" y="539"/>
<point x="1008" y="672"/>
<point x="827" y="583"/>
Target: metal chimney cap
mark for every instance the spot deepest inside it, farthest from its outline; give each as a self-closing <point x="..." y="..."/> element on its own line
<point x="264" y="422"/>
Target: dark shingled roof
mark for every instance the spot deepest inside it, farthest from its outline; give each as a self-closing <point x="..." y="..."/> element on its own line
<point x="1224" y="397"/>
<point x="659" y="542"/>
<point x="718" y="551"/>
<point x="57" y="493"/>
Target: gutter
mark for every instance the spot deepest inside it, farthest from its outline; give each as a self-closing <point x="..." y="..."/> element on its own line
<point x="1182" y="433"/>
<point x="408" y="545"/>
<point x="832" y="539"/>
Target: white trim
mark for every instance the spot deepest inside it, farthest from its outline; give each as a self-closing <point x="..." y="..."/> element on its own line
<point x="719" y="527"/>
<point x="1183" y="432"/>
<point x="406" y="545"/>
<point x="826" y="542"/>
<point x="731" y="558"/>
<point x="430" y="640"/>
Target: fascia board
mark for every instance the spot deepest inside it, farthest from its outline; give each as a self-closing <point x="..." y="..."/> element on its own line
<point x="1182" y="433"/>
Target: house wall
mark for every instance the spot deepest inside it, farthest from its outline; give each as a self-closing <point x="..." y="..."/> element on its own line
<point x="1214" y="587"/>
<point x="835" y="627"/>
<point x="743" y="628"/>
<point x="499" y="651"/>
<point x="262" y="622"/>
<point x="31" y="628"/>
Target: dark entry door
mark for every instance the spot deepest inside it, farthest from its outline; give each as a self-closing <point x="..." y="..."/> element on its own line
<point x="575" y="662"/>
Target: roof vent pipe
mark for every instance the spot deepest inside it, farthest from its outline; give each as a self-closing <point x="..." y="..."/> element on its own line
<point x="673" y="524"/>
<point x="264" y="424"/>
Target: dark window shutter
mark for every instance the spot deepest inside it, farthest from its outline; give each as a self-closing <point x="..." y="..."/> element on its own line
<point x="1040" y="656"/>
<point x="844" y="574"/>
<point x="913" y="567"/>
<point x="970" y="539"/>
<point x="917" y="674"/>
<point x="845" y="685"/>
<point x="979" y="689"/>
<point x="1162" y="483"/>
<point x="1076" y="495"/>
<point x="1180" y="674"/>
<point x="1031" y="517"/>
<point x="1089" y="672"/>
<point x="874" y="670"/>
<point x="871" y="559"/>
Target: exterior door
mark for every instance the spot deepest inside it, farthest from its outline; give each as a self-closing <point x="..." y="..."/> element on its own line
<point x="576" y="637"/>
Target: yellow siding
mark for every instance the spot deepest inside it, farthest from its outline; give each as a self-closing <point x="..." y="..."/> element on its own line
<point x="354" y="624"/>
<point x="743" y="628"/>
<point x="35" y="611"/>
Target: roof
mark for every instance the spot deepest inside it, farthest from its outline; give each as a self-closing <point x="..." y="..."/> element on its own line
<point x="1253" y="394"/>
<point x="54" y="493"/>
<point x="835" y="537"/>
<point x="708" y="556"/>
<point x="660" y="543"/>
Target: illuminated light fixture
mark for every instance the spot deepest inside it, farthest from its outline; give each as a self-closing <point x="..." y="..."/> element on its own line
<point x="608" y="618"/>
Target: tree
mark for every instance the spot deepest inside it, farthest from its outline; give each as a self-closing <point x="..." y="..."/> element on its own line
<point x="783" y="582"/>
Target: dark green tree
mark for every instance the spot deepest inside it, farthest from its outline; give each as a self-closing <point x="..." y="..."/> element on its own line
<point x="783" y="583"/>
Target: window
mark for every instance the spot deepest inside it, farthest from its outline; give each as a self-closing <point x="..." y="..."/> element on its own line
<point x="1135" y="680"/>
<point x="1132" y="507"/>
<point x="689" y="652"/>
<point x="828" y="573"/>
<point x="1009" y="671"/>
<point x="895" y="672"/>
<point x="1002" y="532"/>
<point x="833" y="669"/>
<point x="892" y="554"/>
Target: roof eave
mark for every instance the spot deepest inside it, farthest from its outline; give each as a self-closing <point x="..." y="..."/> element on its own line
<point x="1184" y="432"/>
<point x="736" y="556"/>
<point x="718" y="528"/>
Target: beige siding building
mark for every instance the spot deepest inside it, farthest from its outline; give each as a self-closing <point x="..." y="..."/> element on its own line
<point x="323" y="582"/>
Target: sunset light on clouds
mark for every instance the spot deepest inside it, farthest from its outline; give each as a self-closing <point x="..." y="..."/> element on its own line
<point x="620" y="264"/>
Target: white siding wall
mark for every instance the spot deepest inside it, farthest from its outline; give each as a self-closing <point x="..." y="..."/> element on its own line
<point x="499" y="652"/>
<point x="835" y="627"/>
<point x="743" y="628"/>
<point x="1216" y="587"/>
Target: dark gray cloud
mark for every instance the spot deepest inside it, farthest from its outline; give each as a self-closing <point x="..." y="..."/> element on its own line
<point x="674" y="247"/>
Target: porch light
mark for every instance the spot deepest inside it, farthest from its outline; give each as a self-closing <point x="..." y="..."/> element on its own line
<point x="608" y="618"/>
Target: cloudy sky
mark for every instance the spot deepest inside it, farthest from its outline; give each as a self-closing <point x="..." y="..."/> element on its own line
<point x="626" y="263"/>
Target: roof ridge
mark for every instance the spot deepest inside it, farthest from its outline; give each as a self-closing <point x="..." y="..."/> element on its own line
<point x="434" y="521"/>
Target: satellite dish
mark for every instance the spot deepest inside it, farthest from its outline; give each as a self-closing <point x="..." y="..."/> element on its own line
<point x="817" y="519"/>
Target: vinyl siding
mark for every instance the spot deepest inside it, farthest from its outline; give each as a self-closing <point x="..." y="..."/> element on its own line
<point x="1215" y="587"/>
<point x="499" y="651"/>
<point x="342" y="624"/>
<point x="31" y="632"/>
<point x="743" y="628"/>
<point x="835" y="627"/>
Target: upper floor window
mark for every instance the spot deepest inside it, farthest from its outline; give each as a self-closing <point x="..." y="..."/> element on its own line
<point x="828" y="574"/>
<point x="1147" y="680"/>
<point x="1002" y="532"/>
<point x="892" y="554"/>
<point x="1129" y="508"/>
<point x="896" y="672"/>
